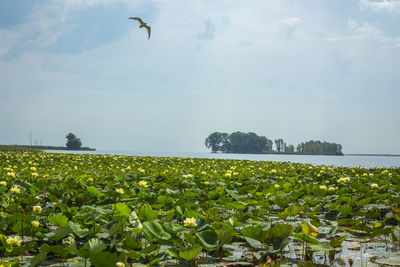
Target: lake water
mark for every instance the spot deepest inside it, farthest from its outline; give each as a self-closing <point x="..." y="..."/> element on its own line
<point x="347" y="160"/>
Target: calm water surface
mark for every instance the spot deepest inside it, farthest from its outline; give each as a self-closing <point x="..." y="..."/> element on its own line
<point x="347" y="161"/>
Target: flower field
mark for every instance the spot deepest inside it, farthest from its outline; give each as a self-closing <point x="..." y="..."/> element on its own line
<point x="103" y="210"/>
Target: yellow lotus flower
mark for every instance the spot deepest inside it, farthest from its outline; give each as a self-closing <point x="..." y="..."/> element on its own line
<point x="206" y="183"/>
<point x="120" y="264"/>
<point x="3" y="183"/>
<point x="15" y="190"/>
<point x="277" y="186"/>
<point x="35" y="224"/>
<point x="374" y="186"/>
<point x="11" y="174"/>
<point x="331" y="189"/>
<point x="14" y="241"/>
<point x="90" y="180"/>
<point x="322" y="187"/>
<point x="34" y="174"/>
<point x="143" y="184"/>
<point x="37" y="209"/>
<point x="119" y="191"/>
<point x="190" y="222"/>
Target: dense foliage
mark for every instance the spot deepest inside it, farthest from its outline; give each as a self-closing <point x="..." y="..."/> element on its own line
<point x="239" y="142"/>
<point x="108" y="210"/>
<point x="73" y="142"/>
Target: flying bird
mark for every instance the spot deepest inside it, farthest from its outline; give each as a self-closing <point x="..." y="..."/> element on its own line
<point x="143" y="25"/>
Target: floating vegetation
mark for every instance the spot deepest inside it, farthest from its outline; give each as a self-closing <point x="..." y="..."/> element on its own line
<point x="104" y="210"/>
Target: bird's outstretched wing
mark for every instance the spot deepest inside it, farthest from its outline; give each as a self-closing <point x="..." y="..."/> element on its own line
<point x="148" y="28"/>
<point x="138" y="19"/>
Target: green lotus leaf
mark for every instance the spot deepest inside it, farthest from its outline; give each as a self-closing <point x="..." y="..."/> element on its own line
<point x="253" y="242"/>
<point x="155" y="231"/>
<point x="306" y="238"/>
<point x="122" y="209"/>
<point x="94" y="191"/>
<point x="96" y="245"/>
<point x="105" y="259"/>
<point x="146" y="213"/>
<point x="190" y="253"/>
<point x="208" y="239"/>
<point x="59" y="220"/>
<point x="59" y="233"/>
<point x="174" y="228"/>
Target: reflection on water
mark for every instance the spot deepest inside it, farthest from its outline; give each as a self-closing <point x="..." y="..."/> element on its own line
<point x="347" y="161"/>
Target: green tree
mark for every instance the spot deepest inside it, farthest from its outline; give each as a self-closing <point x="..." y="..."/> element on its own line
<point x="73" y="142"/>
<point x="289" y="149"/>
<point x="218" y="142"/>
<point x="280" y="145"/>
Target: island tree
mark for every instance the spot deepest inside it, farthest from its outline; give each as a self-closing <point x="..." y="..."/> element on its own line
<point x="73" y="142"/>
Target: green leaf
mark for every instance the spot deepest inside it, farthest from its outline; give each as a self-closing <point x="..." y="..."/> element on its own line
<point x="59" y="220"/>
<point x="7" y="246"/>
<point x="208" y="239"/>
<point x="3" y="221"/>
<point x="345" y="211"/>
<point x="347" y="222"/>
<point x="254" y="243"/>
<point x="173" y="228"/>
<point x="254" y="232"/>
<point x="337" y="241"/>
<point x="96" y="245"/>
<point x="39" y="258"/>
<point x="56" y="249"/>
<point x="77" y="230"/>
<point x="59" y="233"/>
<point x="280" y="231"/>
<point x="305" y="238"/>
<point x="122" y="209"/>
<point x="154" y="230"/>
<point x="190" y="253"/>
<point x="146" y="213"/>
<point x="94" y="191"/>
<point x="150" y="250"/>
<point x="134" y="220"/>
<point x="105" y="259"/>
<point x="325" y="247"/>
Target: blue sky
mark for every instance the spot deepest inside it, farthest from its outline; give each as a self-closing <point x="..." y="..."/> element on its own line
<point x="297" y="70"/>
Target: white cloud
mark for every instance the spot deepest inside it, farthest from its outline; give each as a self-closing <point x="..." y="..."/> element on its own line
<point x="363" y="31"/>
<point x="292" y="21"/>
<point x="391" y="6"/>
<point x="397" y="42"/>
<point x="7" y="40"/>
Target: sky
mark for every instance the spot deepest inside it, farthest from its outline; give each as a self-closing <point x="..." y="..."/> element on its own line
<point x="324" y="70"/>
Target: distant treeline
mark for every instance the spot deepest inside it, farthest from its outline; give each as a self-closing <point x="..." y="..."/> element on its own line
<point x="251" y="143"/>
<point x="16" y="148"/>
<point x="39" y="148"/>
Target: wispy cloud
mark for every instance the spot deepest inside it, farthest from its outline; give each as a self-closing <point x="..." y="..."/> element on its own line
<point x="289" y="25"/>
<point x="391" y="6"/>
<point x="209" y="31"/>
<point x="365" y="32"/>
<point x="293" y="21"/>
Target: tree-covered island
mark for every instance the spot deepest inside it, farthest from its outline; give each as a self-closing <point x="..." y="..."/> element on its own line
<point x="251" y="143"/>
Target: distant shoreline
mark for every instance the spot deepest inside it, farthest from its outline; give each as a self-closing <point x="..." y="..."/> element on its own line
<point x="39" y="148"/>
<point x="284" y="153"/>
<point x="371" y="155"/>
